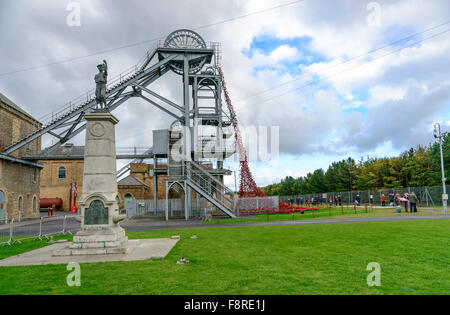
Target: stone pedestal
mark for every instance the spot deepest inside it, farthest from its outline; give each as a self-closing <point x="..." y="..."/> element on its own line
<point x="100" y="231"/>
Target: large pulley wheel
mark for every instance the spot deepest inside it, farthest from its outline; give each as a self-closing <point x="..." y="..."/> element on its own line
<point x="186" y="39"/>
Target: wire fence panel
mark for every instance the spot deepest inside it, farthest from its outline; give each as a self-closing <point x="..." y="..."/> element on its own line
<point x="34" y="228"/>
<point x="427" y="197"/>
<point x="6" y="233"/>
<point x="52" y="226"/>
<point x="25" y="230"/>
<point x="257" y="203"/>
<point x="146" y="208"/>
<point x="72" y="225"/>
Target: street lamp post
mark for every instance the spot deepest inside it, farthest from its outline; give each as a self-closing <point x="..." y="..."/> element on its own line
<point x="440" y="136"/>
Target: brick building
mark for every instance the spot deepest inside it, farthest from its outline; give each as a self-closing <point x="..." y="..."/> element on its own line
<point x="142" y="173"/>
<point x="62" y="167"/>
<point x="19" y="179"/>
<point x="65" y="165"/>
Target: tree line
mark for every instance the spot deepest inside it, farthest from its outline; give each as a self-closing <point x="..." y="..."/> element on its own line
<point x="419" y="166"/>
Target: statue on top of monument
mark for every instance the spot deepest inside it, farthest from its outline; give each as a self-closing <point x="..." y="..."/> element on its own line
<point x="101" y="80"/>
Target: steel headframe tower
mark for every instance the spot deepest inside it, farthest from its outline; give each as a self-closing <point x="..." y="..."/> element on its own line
<point x="440" y="136"/>
<point x="192" y="55"/>
<point x="185" y="53"/>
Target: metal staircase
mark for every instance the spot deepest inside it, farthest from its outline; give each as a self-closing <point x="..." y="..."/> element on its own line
<point x="198" y="177"/>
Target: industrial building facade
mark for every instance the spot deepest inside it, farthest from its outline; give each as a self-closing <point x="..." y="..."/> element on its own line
<point x="64" y="167"/>
<point x="19" y="178"/>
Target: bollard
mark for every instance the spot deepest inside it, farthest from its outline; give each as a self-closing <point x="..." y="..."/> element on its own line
<point x="354" y="206"/>
<point x="342" y="208"/>
<point x="329" y="211"/>
<point x="365" y="206"/>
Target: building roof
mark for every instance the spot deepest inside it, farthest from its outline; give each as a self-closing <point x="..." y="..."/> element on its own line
<point x="11" y="104"/>
<point x="131" y="181"/>
<point x="67" y="152"/>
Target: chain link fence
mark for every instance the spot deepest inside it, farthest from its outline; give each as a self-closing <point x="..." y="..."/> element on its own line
<point x="430" y="197"/>
<point x="200" y="208"/>
<point x="37" y="228"/>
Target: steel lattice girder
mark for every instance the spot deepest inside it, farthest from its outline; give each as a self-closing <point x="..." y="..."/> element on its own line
<point x="116" y="96"/>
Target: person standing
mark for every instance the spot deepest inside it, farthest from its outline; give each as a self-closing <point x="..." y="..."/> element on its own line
<point x="383" y="200"/>
<point x="405" y="196"/>
<point x="413" y="202"/>
<point x="357" y="200"/>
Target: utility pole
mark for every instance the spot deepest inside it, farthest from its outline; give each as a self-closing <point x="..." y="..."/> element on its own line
<point x="440" y="136"/>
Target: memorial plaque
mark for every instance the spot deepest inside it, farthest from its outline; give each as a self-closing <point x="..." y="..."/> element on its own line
<point x="96" y="213"/>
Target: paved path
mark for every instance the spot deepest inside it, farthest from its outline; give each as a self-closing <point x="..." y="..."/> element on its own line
<point x="147" y="224"/>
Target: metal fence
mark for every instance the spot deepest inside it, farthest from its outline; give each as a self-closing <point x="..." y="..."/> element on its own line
<point x="37" y="228"/>
<point x="146" y="208"/>
<point x="428" y="196"/>
<point x="257" y="203"/>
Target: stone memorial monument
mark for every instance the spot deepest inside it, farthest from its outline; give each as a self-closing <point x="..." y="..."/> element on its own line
<point x="100" y="231"/>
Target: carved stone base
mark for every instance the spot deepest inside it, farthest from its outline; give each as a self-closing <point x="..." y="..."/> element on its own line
<point x="97" y="242"/>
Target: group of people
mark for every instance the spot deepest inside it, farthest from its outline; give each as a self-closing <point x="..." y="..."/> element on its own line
<point x="398" y="200"/>
<point x="317" y="200"/>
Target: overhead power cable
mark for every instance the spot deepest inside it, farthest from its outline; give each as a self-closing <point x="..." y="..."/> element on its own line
<point x="149" y="40"/>
<point x="351" y="68"/>
<point x="343" y="62"/>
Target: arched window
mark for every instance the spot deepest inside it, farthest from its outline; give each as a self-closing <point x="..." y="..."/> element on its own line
<point x="34" y="203"/>
<point x="20" y="205"/>
<point x="62" y="172"/>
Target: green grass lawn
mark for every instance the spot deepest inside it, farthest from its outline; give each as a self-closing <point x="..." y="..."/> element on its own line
<point x="333" y="213"/>
<point x="307" y="259"/>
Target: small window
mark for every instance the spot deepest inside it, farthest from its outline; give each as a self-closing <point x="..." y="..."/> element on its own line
<point x="62" y="173"/>
<point x="35" y="175"/>
<point x="20" y="205"/>
<point x="34" y="203"/>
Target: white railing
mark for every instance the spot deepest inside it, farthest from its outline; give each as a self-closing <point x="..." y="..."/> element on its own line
<point x="36" y="228"/>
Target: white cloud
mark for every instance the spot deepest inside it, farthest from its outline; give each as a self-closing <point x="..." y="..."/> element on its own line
<point x="313" y="119"/>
